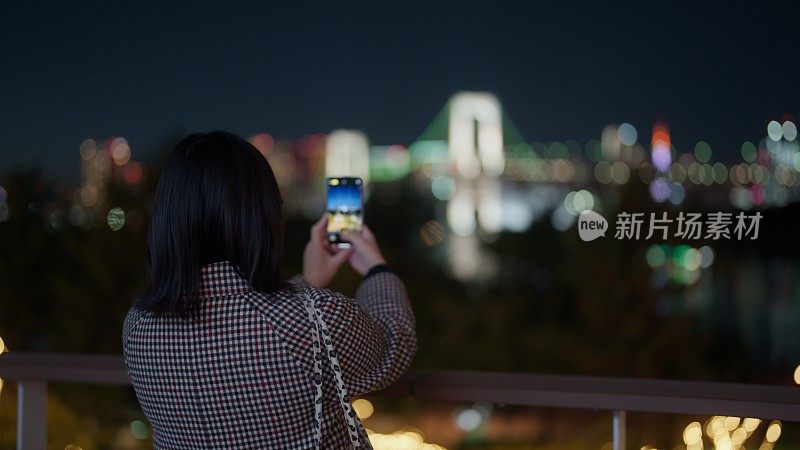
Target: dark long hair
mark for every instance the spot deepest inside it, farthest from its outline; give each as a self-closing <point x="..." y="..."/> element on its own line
<point x="216" y="200"/>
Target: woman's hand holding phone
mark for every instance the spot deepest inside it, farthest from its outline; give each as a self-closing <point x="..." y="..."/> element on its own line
<point x="321" y="260"/>
<point x="365" y="251"/>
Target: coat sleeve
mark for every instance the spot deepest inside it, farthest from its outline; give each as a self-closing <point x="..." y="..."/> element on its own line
<point x="373" y="335"/>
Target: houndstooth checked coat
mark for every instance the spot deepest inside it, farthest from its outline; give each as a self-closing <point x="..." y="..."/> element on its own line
<point x="241" y="374"/>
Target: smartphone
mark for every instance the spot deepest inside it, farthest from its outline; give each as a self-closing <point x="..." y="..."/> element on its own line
<point x="345" y="208"/>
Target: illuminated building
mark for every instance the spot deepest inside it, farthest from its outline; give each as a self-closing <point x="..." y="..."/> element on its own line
<point x="347" y="155"/>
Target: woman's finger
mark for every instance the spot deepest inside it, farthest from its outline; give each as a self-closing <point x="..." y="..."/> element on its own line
<point x="318" y="229"/>
<point x="367" y="233"/>
<point x="353" y="238"/>
<point x="341" y="256"/>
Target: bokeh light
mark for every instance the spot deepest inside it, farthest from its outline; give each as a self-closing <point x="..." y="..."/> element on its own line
<point x="469" y="419"/>
<point x="706" y="256"/>
<point x="443" y="187"/>
<point x="749" y="151"/>
<point x="610" y="143"/>
<point x="620" y="172"/>
<point x="656" y="257"/>
<point x="661" y="147"/>
<point x="561" y="219"/>
<point x="789" y="130"/>
<point x="774" y="130"/>
<point x="263" y="142"/>
<point x="89" y="196"/>
<point x="88" y="149"/>
<point x="677" y="173"/>
<point x="432" y="233"/>
<point x="677" y="194"/>
<point x="400" y="440"/>
<point x="576" y="202"/>
<point x="720" y="173"/>
<point x="660" y="190"/>
<point x="461" y="213"/>
<point x="627" y="134"/>
<point x="750" y="424"/>
<point x="132" y="173"/>
<point x="120" y="151"/>
<point x="702" y="151"/>
<point x="363" y="408"/>
<point x="773" y="431"/>
<point x="693" y="434"/>
<point x="603" y="172"/>
<point x="139" y="430"/>
<point x="116" y="219"/>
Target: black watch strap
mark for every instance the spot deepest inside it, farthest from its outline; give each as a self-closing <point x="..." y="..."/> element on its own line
<point x="378" y="268"/>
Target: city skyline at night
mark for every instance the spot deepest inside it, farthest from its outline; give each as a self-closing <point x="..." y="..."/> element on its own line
<point x="713" y="73"/>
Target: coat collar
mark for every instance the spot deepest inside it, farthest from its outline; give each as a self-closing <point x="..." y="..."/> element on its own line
<point x="221" y="279"/>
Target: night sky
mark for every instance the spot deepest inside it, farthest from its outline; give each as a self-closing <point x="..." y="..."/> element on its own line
<point x="70" y="70"/>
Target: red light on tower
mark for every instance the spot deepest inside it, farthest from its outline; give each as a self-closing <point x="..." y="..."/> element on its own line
<point x="661" y="147"/>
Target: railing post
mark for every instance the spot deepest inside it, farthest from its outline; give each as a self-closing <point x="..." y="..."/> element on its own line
<point x="32" y="415"/>
<point x="619" y="430"/>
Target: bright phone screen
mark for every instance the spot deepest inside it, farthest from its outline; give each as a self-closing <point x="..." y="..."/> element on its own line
<point x="345" y="204"/>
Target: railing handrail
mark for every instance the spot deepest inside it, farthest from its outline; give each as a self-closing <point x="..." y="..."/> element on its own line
<point x="64" y="367"/>
<point x="566" y="391"/>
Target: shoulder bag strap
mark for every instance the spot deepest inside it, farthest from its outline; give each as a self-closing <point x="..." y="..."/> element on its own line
<point x="321" y="337"/>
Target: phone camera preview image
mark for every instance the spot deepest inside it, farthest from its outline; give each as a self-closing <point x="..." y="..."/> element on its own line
<point x="345" y="205"/>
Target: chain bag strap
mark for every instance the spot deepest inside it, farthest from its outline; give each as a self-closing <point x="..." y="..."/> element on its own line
<point x="321" y="337"/>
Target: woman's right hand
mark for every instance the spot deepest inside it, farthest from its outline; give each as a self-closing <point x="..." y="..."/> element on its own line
<point x="321" y="261"/>
<point x="366" y="253"/>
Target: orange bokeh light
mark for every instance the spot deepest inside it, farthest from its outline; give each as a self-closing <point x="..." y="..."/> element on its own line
<point x="661" y="134"/>
<point x="132" y="173"/>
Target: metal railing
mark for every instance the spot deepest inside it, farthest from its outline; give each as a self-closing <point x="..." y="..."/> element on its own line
<point x="32" y="372"/>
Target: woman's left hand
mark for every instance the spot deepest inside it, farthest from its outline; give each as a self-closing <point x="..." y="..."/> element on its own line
<point x="321" y="260"/>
